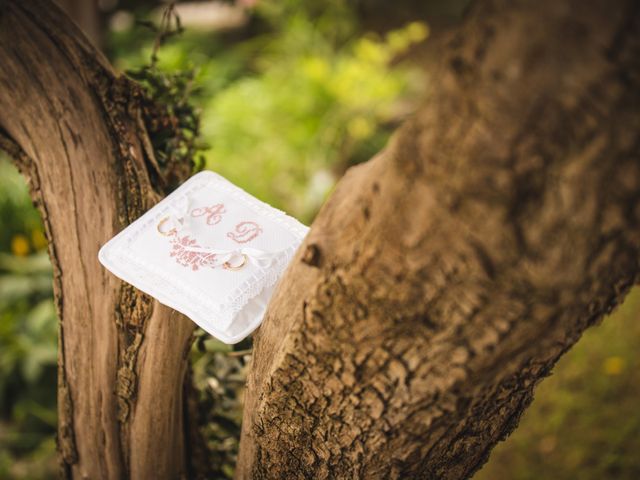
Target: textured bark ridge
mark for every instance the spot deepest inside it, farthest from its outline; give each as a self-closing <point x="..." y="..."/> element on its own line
<point x="75" y="130"/>
<point x="444" y="278"/>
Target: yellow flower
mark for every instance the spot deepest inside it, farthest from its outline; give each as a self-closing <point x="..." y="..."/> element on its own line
<point x="360" y="127"/>
<point x="417" y="31"/>
<point x="38" y="240"/>
<point x="371" y="51"/>
<point x="20" y="245"/>
<point x="398" y="41"/>
<point x="613" y="365"/>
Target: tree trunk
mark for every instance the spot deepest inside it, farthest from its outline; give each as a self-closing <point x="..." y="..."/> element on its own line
<point x="443" y="279"/>
<point x="75" y="130"/>
<point x="86" y="15"/>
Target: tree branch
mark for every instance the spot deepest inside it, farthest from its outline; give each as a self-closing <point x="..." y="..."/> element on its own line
<point x="462" y="262"/>
<point x="74" y="126"/>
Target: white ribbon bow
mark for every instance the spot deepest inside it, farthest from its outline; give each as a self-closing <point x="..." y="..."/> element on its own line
<point x="235" y="259"/>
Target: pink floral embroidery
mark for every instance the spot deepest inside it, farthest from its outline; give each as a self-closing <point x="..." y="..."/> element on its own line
<point x="245" y="232"/>
<point x="213" y="213"/>
<point x="180" y="251"/>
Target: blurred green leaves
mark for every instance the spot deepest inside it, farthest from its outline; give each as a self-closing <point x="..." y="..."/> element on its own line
<point x="309" y="111"/>
<point x="288" y="107"/>
<point x="27" y="314"/>
<point x="28" y="340"/>
<point x="219" y="374"/>
<point x="18" y="218"/>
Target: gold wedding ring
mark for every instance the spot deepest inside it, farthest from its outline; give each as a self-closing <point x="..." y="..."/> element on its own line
<point x="167" y="233"/>
<point x="228" y="266"/>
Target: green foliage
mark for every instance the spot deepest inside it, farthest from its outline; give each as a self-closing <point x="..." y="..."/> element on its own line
<point x="172" y="122"/>
<point x="17" y="215"/>
<point x="310" y="110"/>
<point x="288" y="109"/>
<point x="219" y="374"/>
<point x="28" y="344"/>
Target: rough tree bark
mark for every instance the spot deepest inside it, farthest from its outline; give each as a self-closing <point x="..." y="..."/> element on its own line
<point x="441" y="281"/>
<point x="74" y="128"/>
<point x="444" y="278"/>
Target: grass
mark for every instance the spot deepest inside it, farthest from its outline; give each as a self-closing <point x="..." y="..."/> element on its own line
<point x="584" y="422"/>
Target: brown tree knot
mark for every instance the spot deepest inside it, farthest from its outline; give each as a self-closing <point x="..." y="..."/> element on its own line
<point x="311" y="255"/>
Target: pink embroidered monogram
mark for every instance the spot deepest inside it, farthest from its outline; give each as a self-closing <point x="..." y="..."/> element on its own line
<point x="213" y="213"/>
<point x="245" y="232"/>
